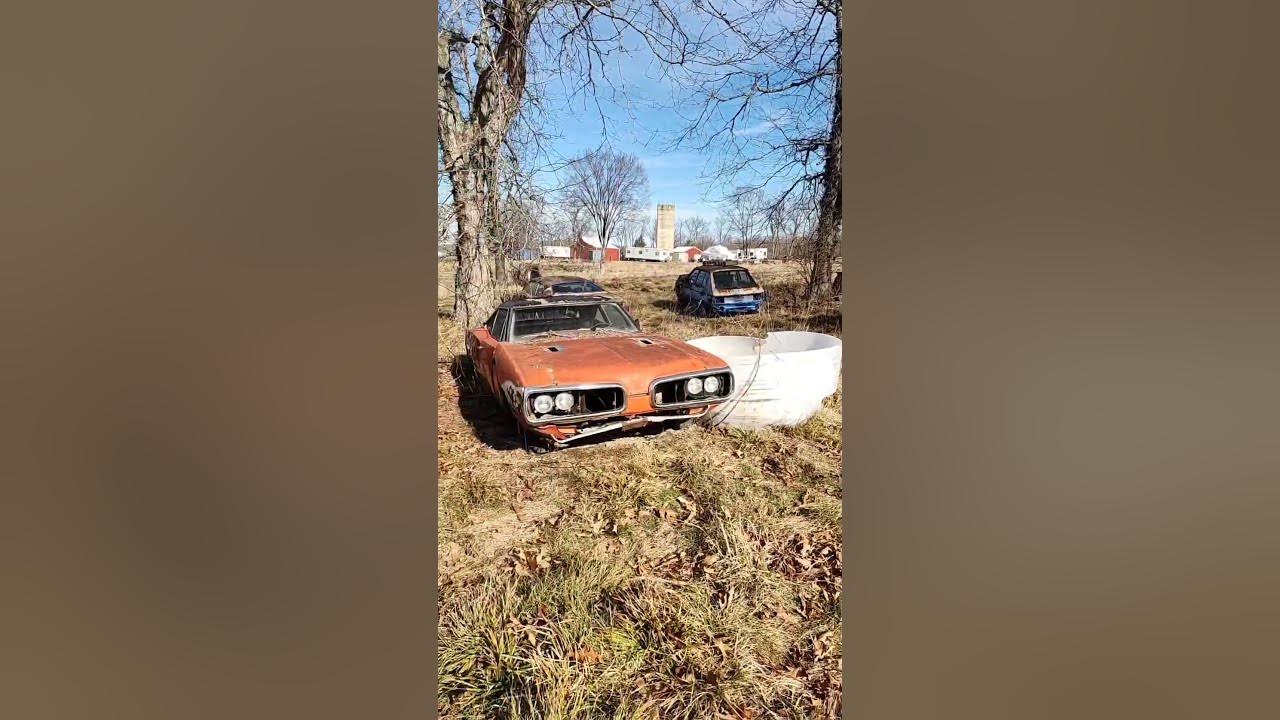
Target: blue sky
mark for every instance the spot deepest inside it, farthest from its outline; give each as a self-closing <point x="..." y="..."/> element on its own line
<point x="634" y="114"/>
<point x="641" y="127"/>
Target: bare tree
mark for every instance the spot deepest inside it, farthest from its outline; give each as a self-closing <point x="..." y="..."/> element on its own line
<point x="724" y="228"/>
<point x="631" y="230"/>
<point x="472" y="128"/>
<point x="797" y="226"/>
<point x="746" y="214"/>
<point x="775" y="222"/>
<point x="577" y="222"/>
<point x="786" y="224"/>
<point x="694" y="230"/>
<point x="770" y="110"/>
<point x="445" y="230"/>
<point x="522" y="227"/>
<point x="611" y="187"/>
<point x="826" y="240"/>
<point x="485" y="52"/>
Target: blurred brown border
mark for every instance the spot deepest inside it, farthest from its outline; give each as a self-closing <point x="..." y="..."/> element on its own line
<point x="433" y="476"/>
<point x="218" y="273"/>
<point x="1061" y="360"/>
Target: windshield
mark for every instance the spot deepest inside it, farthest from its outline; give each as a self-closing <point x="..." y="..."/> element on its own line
<point x="733" y="280"/>
<point x="599" y="317"/>
<point x="577" y="286"/>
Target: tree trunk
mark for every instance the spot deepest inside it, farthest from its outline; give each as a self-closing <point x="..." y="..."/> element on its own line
<point x="491" y="191"/>
<point x="475" y="284"/>
<point x="470" y="147"/>
<point x="827" y="236"/>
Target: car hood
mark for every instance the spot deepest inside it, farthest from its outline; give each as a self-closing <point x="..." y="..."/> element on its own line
<point x="634" y="361"/>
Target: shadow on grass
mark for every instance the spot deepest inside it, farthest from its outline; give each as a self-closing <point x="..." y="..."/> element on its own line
<point x="492" y="425"/>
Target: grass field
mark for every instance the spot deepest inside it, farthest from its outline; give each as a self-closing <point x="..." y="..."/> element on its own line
<point x="689" y="573"/>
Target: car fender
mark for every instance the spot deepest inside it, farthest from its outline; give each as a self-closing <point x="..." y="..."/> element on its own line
<point x="513" y="396"/>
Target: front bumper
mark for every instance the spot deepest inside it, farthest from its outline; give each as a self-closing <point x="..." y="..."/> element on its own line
<point x="563" y="435"/>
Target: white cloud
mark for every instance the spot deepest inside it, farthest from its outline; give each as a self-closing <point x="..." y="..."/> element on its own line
<point x="757" y="129"/>
<point x="765" y="125"/>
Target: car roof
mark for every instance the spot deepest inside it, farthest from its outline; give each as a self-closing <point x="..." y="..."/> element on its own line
<point x="717" y="268"/>
<point x="558" y="300"/>
<point x="557" y="279"/>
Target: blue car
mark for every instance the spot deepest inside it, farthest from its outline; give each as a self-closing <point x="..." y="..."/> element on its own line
<point x="718" y="289"/>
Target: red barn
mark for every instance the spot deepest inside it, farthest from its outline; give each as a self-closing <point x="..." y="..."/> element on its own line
<point x="587" y="249"/>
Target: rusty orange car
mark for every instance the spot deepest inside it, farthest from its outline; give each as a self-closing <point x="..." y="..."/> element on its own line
<point x="568" y="368"/>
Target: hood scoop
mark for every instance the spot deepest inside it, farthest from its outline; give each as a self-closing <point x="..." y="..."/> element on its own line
<point x="645" y="341"/>
<point x="554" y="348"/>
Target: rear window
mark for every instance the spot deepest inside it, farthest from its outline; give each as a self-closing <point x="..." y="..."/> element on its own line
<point x="733" y="280"/>
<point x="583" y="286"/>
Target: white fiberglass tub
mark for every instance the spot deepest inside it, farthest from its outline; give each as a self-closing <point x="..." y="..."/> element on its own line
<point x="780" y="379"/>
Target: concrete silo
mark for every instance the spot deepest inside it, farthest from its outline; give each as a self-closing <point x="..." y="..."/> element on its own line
<point x="666" y="231"/>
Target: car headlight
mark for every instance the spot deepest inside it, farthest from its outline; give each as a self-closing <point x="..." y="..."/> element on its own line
<point x="564" y="401"/>
<point x="711" y="384"/>
<point x="542" y="404"/>
<point x="693" y="386"/>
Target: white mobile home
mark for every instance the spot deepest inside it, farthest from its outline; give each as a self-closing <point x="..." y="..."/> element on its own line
<point x="648" y="254"/>
<point x="752" y="255"/>
<point x="555" y="251"/>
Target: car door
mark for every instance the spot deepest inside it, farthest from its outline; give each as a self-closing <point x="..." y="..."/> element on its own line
<point x="484" y="342"/>
<point x="702" y="289"/>
<point x="692" y="291"/>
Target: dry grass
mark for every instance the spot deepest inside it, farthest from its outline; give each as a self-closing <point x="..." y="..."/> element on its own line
<point x="686" y="574"/>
